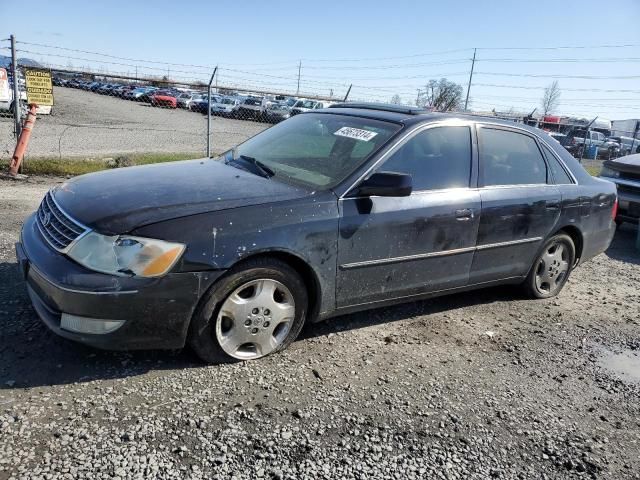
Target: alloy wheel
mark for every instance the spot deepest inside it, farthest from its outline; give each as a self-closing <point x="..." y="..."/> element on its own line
<point x="255" y="319"/>
<point x="553" y="268"/>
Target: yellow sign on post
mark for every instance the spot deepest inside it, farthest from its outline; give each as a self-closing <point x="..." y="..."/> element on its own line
<point x="39" y="86"/>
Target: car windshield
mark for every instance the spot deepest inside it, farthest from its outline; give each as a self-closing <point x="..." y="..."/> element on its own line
<point x="227" y="101"/>
<point x="253" y="101"/>
<point x="316" y="150"/>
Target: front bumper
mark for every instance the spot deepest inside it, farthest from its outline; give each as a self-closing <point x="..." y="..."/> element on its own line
<point x="156" y="311"/>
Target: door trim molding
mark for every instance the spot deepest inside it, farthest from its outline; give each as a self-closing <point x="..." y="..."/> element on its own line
<point x="509" y="243"/>
<point x="442" y="253"/>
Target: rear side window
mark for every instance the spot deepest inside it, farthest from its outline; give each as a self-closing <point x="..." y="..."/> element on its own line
<point x="510" y="158"/>
<point x="560" y="176"/>
<point x="436" y="158"/>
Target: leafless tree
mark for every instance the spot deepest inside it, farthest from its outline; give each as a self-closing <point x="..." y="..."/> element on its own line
<point x="396" y="99"/>
<point x="441" y="95"/>
<point x="551" y="98"/>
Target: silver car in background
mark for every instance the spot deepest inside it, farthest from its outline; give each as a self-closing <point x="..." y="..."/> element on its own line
<point x="186" y="99"/>
<point x="225" y="106"/>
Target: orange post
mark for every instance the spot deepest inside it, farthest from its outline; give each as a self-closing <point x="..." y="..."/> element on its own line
<point x="23" y="141"/>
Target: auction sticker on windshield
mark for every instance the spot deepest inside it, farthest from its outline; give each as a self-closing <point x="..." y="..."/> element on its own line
<point x="356" y="133"/>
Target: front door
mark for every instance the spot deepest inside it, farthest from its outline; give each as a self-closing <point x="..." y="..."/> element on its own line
<point x="398" y="247"/>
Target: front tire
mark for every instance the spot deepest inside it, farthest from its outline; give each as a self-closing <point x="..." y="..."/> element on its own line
<point x="552" y="267"/>
<point x="258" y="308"/>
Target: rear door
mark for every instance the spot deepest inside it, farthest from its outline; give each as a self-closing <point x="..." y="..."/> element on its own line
<point x="520" y="203"/>
<point x="392" y="247"/>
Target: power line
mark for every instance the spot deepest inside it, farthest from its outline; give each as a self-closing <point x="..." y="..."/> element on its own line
<point x="561" y="76"/>
<point x="575" y="47"/>
<point x="559" y="60"/>
<point x="531" y="87"/>
<point x="386" y="67"/>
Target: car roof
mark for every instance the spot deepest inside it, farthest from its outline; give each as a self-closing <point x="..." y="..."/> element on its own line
<point x="409" y="115"/>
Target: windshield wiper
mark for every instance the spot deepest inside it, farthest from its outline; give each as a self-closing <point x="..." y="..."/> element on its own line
<point x="260" y="167"/>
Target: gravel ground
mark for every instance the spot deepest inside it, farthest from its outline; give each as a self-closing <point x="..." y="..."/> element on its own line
<point x="85" y="124"/>
<point x="481" y="385"/>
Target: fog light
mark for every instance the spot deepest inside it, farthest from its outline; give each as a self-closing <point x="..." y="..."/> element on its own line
<point x="94" y="326"/>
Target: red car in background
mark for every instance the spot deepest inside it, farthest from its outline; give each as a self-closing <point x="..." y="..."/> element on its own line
<point x="164" y="98"/>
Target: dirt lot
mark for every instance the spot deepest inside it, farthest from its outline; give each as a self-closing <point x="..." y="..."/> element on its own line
<point x="85" y="124"/>
<point x="480" y="385"/>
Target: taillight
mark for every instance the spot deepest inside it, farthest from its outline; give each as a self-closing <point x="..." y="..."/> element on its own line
<point x="573" y="141"/>
<point x="614" y="210"/>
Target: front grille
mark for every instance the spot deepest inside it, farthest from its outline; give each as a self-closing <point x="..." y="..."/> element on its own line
<point x="57" y="227"/>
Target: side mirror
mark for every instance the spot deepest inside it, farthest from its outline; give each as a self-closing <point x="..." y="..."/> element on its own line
<point x="386" y="184"/>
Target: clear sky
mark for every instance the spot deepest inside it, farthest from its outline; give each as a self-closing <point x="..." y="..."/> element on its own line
<point x="382" y="48"/>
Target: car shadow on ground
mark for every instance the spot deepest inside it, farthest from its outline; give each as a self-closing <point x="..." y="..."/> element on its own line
<point x="32" y="356"/>
<point x="623" y="247"/>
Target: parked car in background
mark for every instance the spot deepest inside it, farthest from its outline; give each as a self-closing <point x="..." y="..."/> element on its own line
<point x="185" y="99"/>
<point x="74" y="83"/>
<point x="151" y="91"/>
<point x="137" y="93"/>
<point x="558" y="137"/>
<point x="303" y="105"/>
<point x="164" y="98"/>
<point x="201" y="104"/>
<point x="625" y="173"/>
<point x="578" y="138"/>
<point x="121" y="90"/>
<point x="328" y="212"/>
<point x="251" y="108"/>
<point x="627" y="144"/>
<point x="225" y="106"/>
<point x="277" y="112"/>
<point x="107" y="88"/>
<point x="610" y="148"/>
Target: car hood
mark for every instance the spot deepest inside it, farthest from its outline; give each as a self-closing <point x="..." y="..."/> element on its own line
<point x="628" y="163"/>
<point x="118" y="201"/>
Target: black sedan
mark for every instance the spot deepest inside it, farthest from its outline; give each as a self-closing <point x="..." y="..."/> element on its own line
<point x="625" y="173"/>
<point x="329" y="212"/>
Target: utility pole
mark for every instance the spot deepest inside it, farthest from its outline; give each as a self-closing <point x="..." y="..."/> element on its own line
<point x="473" y="62"/>
<point x="584" y="140"/>
<point x="16" y="88"/>
<point x="299" y="68"/>
<point x="347" y="94"/>
<point x="213" y="75"/>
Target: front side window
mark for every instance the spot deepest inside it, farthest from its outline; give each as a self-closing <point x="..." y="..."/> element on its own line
<point x="315" y="150"/>
<point x="510" y="158"/>
<point x="436" y="158"/>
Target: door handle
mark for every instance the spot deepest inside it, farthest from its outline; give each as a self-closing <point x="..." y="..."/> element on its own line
<point x="553" y="204"/>
<point x="464" y="214"/>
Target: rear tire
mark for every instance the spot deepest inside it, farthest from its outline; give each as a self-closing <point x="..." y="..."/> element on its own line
<point x="551" y="268"/>
<point x="257" y="308"/>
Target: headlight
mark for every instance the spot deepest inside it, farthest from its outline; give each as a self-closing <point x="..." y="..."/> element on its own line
<point x="609" y="172"/>
<point x="125" y="255"/>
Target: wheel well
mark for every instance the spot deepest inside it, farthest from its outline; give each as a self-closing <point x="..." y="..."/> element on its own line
<point x="305" y="271"/>
<point x="576" y="236"/>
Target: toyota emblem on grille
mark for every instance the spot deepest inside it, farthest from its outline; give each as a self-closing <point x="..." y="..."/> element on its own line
<point x="46" y="218"/>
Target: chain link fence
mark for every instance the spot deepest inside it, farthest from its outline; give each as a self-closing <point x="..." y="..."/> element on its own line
<point x="185" y="113"/>
<point x="99" y="116"/>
